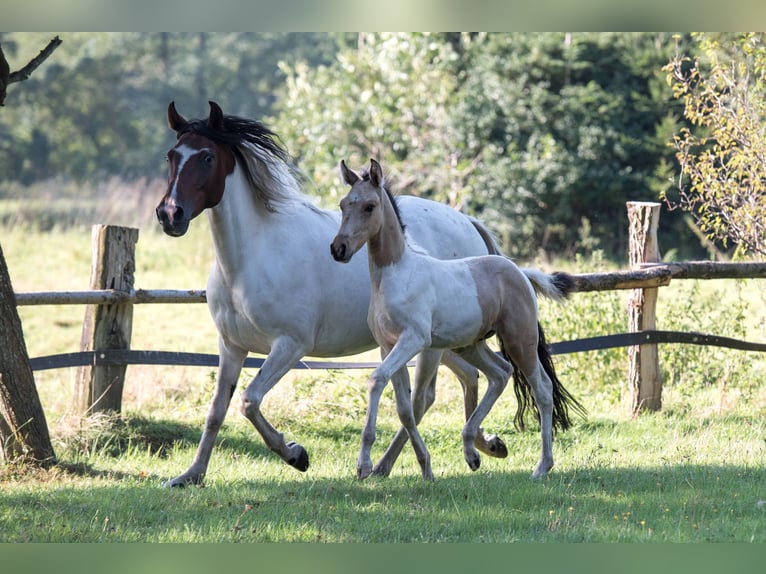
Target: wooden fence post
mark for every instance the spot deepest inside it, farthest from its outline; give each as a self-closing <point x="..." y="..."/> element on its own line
<point x="109" y="326"/>
<point x="644" y="377"/>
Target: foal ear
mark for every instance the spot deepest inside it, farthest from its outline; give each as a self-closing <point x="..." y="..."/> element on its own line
<point x="175" y="120"/>
<point x="215" y="119"/>
<point x="376" y="173"/>
<point x="348" y="176"/>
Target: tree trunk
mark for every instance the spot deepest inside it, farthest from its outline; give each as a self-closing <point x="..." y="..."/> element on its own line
<point x="23" y="428"/>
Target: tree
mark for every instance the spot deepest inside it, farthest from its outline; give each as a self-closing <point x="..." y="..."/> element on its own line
<point x="23" y="428"/>
<point x="723" y="153"/>
<point x="544" y="136"/>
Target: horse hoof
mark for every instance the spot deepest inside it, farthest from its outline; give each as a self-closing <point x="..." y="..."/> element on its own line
<point x="381" y="471"/>
<point x="474" y="462"/>
<point x="493" y="446"/>
<point x="300" y="462"/>
<point x="181" y="482"/>
<point x="363" y="472"/>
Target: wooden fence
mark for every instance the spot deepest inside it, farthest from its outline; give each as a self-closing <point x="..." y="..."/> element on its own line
<point x="105" y="347"/>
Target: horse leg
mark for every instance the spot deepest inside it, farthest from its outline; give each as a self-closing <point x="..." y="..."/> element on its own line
<point x="406" y="347"/>
<point x="489" y="444"/>
<point x="285" y="352"/>
<point x="401" y="384"/>
<point x="229" y="367"/>
<point x="423" y="396"/>
<point x="542" y="392"/>
<point x="497" y="372"/>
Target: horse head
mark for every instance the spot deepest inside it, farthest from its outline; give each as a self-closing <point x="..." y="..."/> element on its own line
<point x="197" y="169"/>
<point x="362" y="210"/>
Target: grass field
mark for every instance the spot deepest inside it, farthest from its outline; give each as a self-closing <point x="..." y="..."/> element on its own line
<point x="692" y="473"/>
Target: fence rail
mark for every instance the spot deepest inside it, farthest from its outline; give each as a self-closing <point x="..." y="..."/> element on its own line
<point x="105" y="350"/>
<point x="135" y="357"/>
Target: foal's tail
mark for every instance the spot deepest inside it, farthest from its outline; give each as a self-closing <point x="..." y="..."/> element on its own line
<point x="563" y="401"/>
<point x="556" y="286"/>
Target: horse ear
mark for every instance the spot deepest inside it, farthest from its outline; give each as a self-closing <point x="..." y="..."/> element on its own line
<point x="175" y="120"/>
<point x="376" y="173"/>
<point x="215" y="119"/>
<point x="348" y="176"/>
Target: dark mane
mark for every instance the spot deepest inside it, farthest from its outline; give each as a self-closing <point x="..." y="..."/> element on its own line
<point x="365" y="175"/>
<point x="251" y="141"/>
<point x="238" y="131"/>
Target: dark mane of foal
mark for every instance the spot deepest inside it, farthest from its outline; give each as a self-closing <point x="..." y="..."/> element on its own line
<point x="365" y="176"/>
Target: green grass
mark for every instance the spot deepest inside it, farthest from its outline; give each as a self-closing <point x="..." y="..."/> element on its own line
<point x="692" y="473"/>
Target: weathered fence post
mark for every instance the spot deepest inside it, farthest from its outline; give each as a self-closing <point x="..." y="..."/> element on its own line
<point x="644" y="378"/>
<point x="109" y="326"/>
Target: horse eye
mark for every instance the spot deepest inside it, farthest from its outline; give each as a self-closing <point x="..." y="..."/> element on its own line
<point x="369" y="208"/>
<point x="208" y="158"/>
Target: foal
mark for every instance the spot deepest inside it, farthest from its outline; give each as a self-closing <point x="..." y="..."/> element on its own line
<point x="419" y="302"/>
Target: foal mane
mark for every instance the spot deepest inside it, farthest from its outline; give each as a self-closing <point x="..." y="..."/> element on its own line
<point x="364" y="174"/>
<point x="268" y="166"/>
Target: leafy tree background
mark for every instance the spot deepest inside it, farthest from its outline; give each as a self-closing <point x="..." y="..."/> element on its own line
<point x="543" y="136"/>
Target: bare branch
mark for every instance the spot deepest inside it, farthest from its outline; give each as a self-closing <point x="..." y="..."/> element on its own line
<point x="7" y="77"/>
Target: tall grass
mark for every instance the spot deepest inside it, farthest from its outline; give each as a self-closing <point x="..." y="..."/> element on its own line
<point x="692" y="472"/>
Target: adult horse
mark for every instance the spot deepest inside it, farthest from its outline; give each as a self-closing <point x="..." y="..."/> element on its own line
<point x="273" y="288"/>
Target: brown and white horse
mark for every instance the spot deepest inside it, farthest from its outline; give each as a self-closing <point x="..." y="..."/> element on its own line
<point x="420" y="303"/>
<point x="273" y="288"/>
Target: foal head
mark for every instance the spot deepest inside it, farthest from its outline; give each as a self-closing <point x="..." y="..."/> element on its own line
<point x="366" y="211"/>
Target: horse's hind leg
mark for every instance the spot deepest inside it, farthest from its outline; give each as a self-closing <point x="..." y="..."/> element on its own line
<point x="497" y="372"/>
<point x="468" y="375"/>
<point x="542" y="391"/>
<point x="285" y="352"/>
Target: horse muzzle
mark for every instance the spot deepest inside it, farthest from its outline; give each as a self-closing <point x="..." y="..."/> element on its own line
<point x="172" y="219"/>
<point x="340" y="250"/>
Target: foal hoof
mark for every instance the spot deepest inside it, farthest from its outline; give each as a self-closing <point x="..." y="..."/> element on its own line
<point x="492" y="445"/>
<point x="474" y="462"/>
<point x="301" y="460"/>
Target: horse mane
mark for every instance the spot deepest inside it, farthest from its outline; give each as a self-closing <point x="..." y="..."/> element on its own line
<point x="364" y="174"/>
<point x="268" y="166"/>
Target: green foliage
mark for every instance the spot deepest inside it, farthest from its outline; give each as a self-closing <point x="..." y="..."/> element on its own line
<point x="98" y="106"/>
<point x="723" y="153"/>
<point x="532" y="132"/>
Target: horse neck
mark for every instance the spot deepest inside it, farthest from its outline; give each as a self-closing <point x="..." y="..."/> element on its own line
<point x="235" y="221"/>
<point x="387" y="246"/>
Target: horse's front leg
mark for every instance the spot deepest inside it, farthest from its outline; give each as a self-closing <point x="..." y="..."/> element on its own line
<point x="229" y="368"/>
<point x="285" y="352"/>
<point x="423" y="396"/>
<point x="394" y="360"/>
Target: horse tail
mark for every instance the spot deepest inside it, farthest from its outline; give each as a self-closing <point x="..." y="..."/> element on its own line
<point x="493" y="248"/>
<point x="556" y="286"/>
<point x="563" y="401"/>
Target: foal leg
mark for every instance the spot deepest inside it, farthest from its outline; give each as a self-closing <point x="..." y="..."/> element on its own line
<point x="542" y="391"/>
<point x="423" y="396"/>
<point x="489" y="444"/>
<point x="406" y="348"/>
<point x="497" y="372"/>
